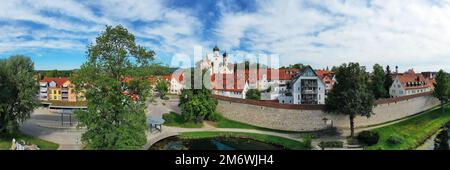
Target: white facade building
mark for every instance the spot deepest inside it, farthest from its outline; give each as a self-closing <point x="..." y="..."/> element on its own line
<point x="217" y="66"/>
<point x="306" y="88"/>
<point x="410" y="83"/>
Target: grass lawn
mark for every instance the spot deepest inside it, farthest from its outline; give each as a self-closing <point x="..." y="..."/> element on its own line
<point x="174" y="119"/>
<point x="227" y="123"/>
<point x="288" y="143"/>
<point x="5" y="143"/>
<point x="414" y="131"/>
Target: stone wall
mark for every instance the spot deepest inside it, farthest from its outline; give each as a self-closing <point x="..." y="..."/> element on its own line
<point x="311" y="118"/>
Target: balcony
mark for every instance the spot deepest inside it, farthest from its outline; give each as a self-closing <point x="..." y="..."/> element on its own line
<point x="64" y="90"/>
<point x="43" y="90"/>
<point x="65" y="95"/>
<point x="43" y="84"/>
<point x="309" y="91"/>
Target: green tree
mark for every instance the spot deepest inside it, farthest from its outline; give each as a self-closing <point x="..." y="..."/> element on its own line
<point x="441" y="88"/>
<point x="162" y="87"/>
<point x="350" y="94"/>
<point x="388" y="80"/>
<point x="334" y="69"/>
<point x="298" y="66"/>
<point x="377" y="82"/>
<point x="197" y="104"/>
<point x="18" y="92"/>
<point x="253" y="94"/>
<point x="112" y="119"/>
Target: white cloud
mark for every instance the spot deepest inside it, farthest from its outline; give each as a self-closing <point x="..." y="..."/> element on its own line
<point x="413" y="34"/>
<point x="175" y="30"/>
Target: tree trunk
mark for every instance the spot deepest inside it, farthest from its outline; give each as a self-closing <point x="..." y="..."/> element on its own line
<point x="352" y="125"/>
<point x="2" y="123"/>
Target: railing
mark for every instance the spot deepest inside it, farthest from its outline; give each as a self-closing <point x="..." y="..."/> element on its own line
<point x="310" y="91"/>
<point x="43" y="89"/>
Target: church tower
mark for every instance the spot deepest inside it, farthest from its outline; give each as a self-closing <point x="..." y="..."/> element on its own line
<point x="225" y="59"/>
<point x="216" y="61"/>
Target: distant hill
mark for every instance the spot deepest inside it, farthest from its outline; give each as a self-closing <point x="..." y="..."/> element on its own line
<point x="54" y="73"/>
<point x="40" y="74"/>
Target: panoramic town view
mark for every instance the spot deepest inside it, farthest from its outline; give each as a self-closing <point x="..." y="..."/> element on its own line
<point x="224" y="75"/>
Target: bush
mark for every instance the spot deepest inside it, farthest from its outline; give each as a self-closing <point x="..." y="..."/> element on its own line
<point x="253" y="94"/>
<point x="394" y="140"/>
<point x="368" y="138"/>
<point x="169" y="118"/>
<point x="165" y="98"/>
<point x="307" y="141"/>
<point x="331" y="144"/>
<point x="215" y="117"/>
<point x="441" y="140"/>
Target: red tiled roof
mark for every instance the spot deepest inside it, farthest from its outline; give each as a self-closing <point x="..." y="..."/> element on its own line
<point x="323" y="73"/>
<point x="411" y="80"/>
<point x="58" y="80"/>
<point x="250" y="76"/>
<point x="229" y="82"/>
<point x="153" y="79"/>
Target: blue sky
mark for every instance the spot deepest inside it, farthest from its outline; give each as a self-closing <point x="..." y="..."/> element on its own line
<point x="415" y="34"/>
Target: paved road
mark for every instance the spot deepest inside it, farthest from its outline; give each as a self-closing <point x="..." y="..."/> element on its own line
<point x="158" y="107"/>
<point x="46" y="125"/>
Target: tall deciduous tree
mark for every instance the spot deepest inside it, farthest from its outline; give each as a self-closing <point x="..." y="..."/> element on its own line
<point x="196" y="104"/>
<point x="377" y="82"/>
<point x="113" y="120"/>
<point x="18" y="92"/>
<point x="388" y="80"/>
<point x="350" y="94"/>
<point x="441" y="88"/>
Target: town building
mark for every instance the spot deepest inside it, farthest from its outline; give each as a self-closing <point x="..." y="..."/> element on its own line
<point x="410" y="83"/>
<point x="230" y="85"/>
<point x="58" y="89"/>
<point x="176" y="82"/>
<point x="328" y="78"/>
<point x="429" y="75"/>
<point x="218" y="65"/>
<point x="305" y="88"/>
